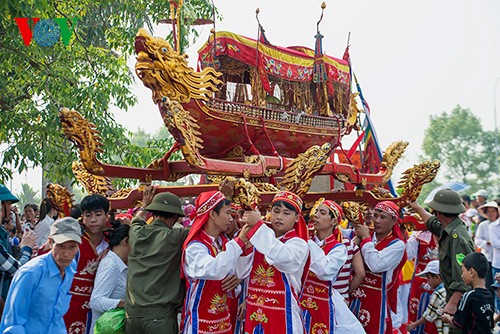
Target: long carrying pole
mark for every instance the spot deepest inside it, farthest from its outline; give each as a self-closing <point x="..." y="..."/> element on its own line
<point x="495" y="120"/>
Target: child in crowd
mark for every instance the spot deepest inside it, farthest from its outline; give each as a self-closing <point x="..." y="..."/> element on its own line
<point x="475" y="309"/>
<point x="432" y="314"/>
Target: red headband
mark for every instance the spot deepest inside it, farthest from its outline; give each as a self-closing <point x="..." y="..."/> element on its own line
<point x="290" y="198"/>
<point x="331" y="205"/>
<point x="389" y="207"/>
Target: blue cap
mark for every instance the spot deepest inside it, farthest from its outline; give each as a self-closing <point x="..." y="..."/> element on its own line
<point x="6" y="195"/>
<point x="495" y="285"/>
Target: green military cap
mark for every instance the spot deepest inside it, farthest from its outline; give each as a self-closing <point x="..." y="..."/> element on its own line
<point x="447" y="201"/>
<point x="166" y="202"/>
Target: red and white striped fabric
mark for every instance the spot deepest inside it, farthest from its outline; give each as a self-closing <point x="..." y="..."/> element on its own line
<point x="344" y="277"/>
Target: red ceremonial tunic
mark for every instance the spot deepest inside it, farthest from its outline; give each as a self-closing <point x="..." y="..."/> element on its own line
<point x="316" y="299"/>
<point x="371" y="300"/>
<point x="420" y="291"/>
<point x="269" y="298"/>
<point x="206" y="308"/>
<point x="78" y="318"/>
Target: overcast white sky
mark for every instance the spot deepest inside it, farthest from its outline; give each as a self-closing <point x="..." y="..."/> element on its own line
<point x="413" y="58"/>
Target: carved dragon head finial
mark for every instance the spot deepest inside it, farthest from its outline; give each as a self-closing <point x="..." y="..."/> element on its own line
<point x="414" y="178"/>
<point x="167" y="73"/>
<point x="60" y="197"/>
<point x="301" y="171"/>
<point x="84" y="135"/>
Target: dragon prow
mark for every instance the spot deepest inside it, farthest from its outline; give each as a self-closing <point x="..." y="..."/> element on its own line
<point x="168" y="74"/>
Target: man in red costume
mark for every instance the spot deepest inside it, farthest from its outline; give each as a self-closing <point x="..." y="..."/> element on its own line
<point x="277" y="267"/>
<point x="384" y="254"/>
<point x="79" y="316"/>
<point x="208" y="258"/>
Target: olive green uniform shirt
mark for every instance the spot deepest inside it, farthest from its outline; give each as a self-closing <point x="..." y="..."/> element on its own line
<point x="454" y="244"/>
<point x="154" y="284"/>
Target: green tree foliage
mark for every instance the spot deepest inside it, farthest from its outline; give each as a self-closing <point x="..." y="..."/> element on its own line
<point x="89" y="75"/>
<point x="465" y="150"/>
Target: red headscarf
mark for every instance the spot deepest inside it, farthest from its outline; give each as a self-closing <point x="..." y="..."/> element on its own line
<point x="296" y="202"/>
<point x="204" y="204"/>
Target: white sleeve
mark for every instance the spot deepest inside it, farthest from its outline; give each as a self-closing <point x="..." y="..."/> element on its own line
<point x="244" y="265"/>
<point x="327" y="266"/>
<point x="412" y="247"/>
<point x="104" y="285"/>
<point x="495" y="234"/>
<point x="384" y="260"/>
<point x="287" y="257"/>
<point x="480" y="239"/>
<point x="200" y="264"/>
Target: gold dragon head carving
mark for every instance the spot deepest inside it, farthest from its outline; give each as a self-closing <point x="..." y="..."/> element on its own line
<point x="61" y="197"/>
<point x="167" y="73"/>
<point x="85" y="136"/>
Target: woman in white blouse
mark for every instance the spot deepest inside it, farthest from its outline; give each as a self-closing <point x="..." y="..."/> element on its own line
<point x="111" y="278"/>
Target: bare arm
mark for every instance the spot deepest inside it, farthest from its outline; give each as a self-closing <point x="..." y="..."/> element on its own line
<point x="418" y="209"/>
<point x="358" y="272"/>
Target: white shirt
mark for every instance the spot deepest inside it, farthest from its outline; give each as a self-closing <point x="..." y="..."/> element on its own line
<point x="494" y="233"/>
<point x="326" y="266"/>
<point x="42" y="230"/>
<point x="288" y="257"/>
<point x="385" y="260"/>
<point x="482" y="237"/>
<point x="199" y="264"/>
<point x="109" y="286"/>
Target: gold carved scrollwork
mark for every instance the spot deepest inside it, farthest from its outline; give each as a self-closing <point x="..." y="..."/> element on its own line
<point x="94" y="184"/>
<point x="301" y="171"/>
<point x="380" y="192"/>
<point x="236" y="152"/>
<point x="391" y="157"/>
<point x="353" y="211"/>
<point x="178" y="119"/>
<point x="61" y="197"/>
<point x="415" y="177"/>
<point x="167" y="73"/>
<point x="84" y="135"/>
<point x="122" y="193"/>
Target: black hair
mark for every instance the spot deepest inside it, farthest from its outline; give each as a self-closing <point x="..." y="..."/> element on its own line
<point x="76" y="212"/>
<point x="116" y="235"/>
<point x="219" y="205"/>
<point x="465" y="198"/>
<point x="286" y="205"/>
<point x="478" y="262"/>
<point x="33" y="206"/>
<point x="94" y="202"/>
<point x="162" y="214"/>
<point x="45" y="207"/>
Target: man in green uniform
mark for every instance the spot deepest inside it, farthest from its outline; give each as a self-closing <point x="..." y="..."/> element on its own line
<point x="454" y="242"/>
<point x="154" y="290"/>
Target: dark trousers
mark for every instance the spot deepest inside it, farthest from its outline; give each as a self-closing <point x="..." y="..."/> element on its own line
<point x="151" y="325"/>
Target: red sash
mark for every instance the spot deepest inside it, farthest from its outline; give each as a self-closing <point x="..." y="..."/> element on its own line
<point x="77" y="318"/>
<point x="374" y="298"/>
<point x="269" y="299"/>
<point x="315" y="300"/>
<point x="209" y="312"/>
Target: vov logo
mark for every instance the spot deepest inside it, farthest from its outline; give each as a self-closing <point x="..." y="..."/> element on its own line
<point x="46" y="32"/>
